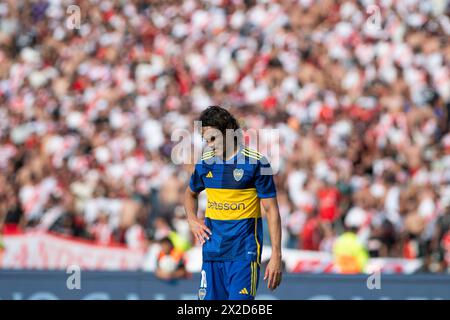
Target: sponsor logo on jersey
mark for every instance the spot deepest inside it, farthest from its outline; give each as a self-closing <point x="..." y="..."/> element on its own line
<point x="226" y="205"/>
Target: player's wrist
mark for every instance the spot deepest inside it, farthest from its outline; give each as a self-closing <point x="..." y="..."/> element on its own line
<point x="276" y="254"/>
<point x="191" y="217"/>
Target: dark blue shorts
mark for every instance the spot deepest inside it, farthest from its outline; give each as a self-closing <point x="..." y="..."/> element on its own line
<point x="228" y="280"/>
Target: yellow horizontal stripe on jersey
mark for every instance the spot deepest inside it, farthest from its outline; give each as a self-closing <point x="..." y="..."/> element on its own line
<point x="232" y="204"/>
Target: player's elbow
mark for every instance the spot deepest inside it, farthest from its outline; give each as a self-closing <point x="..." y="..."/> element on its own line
<point x="189" y="194"/>
<point x="270" y="205"/>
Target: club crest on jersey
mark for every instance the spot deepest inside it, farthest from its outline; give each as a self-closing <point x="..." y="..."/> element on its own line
<point x="201" y="293"/>
<point x="238" y="174"/>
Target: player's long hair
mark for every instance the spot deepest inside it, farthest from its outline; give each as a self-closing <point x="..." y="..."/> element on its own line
<point x="220" y="119"/>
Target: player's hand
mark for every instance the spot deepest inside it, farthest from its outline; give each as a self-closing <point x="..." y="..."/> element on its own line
<point x="199" y="229"/>
<point x="273" y="273"/>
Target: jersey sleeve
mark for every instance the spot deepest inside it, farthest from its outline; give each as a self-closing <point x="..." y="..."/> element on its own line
<point x="196" y="183"/>
<point x="265" y="186"/>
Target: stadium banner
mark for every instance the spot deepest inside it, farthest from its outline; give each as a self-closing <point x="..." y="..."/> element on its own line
<point x="36" y="250"/>
<point x="46" y="251"/>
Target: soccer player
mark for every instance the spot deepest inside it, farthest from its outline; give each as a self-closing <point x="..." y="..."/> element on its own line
<point x="237" y="181"/>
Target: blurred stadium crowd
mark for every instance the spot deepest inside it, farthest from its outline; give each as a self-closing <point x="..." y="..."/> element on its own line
<point x="87" y="114"/>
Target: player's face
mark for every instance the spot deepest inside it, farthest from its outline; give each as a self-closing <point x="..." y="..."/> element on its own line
<point x="214" y="139"/>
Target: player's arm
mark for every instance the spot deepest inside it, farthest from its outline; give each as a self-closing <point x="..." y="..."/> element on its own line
<point x="265" y="188"/>
<point x="198" y="227"/>
<point x="274" y="267"/>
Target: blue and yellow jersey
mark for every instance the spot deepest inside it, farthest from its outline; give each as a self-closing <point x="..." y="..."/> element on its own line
<point x="233" y="213"/>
